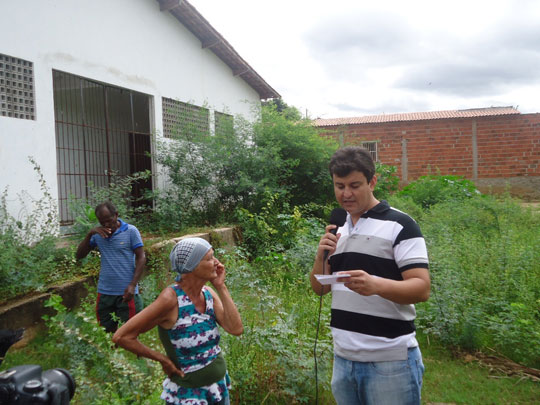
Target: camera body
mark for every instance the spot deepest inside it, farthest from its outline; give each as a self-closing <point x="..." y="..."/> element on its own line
<point x="27" y="384"/>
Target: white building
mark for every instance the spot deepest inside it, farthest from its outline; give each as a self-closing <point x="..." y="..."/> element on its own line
<point x="86" y="85"/>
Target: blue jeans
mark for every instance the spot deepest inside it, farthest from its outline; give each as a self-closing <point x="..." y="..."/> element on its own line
<point x="378" y="383"/>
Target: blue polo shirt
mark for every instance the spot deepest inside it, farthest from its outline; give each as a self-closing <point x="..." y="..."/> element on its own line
<point x="117" y="258"/>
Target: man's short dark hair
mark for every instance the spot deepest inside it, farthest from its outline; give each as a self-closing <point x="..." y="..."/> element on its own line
<point x="351" y="158"/>
<point x="107" y="204"/>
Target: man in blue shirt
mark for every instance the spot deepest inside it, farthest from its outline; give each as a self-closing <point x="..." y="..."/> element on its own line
<point x="122" y="263"/>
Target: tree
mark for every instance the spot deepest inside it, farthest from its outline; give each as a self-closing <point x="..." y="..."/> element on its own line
<point x="295" y="154"/>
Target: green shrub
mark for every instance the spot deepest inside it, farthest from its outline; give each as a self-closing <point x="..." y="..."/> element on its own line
<point x="118" y="192"/>
<point x="432" y="189"/>
<point x="387" y="181"/>
<point x="278" y="228"/>
<point x="37" y="218"/>
<point x="295" y="157"/>
<point x="211" y="177"/>
<point x="207" y="176"/>
<point x="272" y="362"/>
<point x="407" y="205"/>
<point x="265" y="232"/>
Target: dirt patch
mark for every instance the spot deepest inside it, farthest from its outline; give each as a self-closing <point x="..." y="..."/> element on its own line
<point x="532" y="204"/>
<point x="500" y="364"/>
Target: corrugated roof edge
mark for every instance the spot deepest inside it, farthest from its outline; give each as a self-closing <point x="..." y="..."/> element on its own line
<point x="188" y="15"/>
<point x="417" y="116"/>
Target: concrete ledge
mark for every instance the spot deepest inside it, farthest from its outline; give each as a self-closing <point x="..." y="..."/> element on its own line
<point x="219" y="237"/>
<point x="27" y="312"/>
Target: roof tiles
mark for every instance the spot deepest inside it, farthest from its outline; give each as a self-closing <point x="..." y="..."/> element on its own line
<point x="417" y="116"/>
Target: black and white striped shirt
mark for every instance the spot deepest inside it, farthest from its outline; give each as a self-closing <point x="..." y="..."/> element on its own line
<point x="384" y="242"/>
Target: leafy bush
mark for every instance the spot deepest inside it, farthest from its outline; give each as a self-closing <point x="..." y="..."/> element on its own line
<point x="387" y="181"/>
<point x="118" y="192"/>
<point x="272" y="362"/>
<point x="295" y="156"/>
<point x="38" y="218"/>
<point x="276" y="227"/>
<point x="432" y="189"/>
<point x="207" y="176"/>
<point x="407" y="204"/>
<point x="210" y="177"/>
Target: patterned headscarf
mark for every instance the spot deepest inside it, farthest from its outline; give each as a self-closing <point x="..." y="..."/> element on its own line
<point x="187" y="254"/>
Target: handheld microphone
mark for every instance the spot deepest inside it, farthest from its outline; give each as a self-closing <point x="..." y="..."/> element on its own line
<point x="338" y="216"/>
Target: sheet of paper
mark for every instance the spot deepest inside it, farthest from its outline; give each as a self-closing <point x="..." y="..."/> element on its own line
<point x="330" y="278"/>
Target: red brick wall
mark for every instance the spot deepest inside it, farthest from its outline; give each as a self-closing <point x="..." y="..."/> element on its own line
<point x="508" y="147"/>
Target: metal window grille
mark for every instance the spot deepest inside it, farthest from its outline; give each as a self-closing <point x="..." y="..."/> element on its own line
<point x="184" y="119"/>
<point x="372" y="148"/>
<point x="16" y="88"/>
<point x="102" y="133"/>
<point x="223" y="123"/>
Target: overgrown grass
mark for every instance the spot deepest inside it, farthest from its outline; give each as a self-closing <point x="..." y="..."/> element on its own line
<point x="273" y="360"/>
<point x="271" y="363"/>
<point x="485" y="269"/>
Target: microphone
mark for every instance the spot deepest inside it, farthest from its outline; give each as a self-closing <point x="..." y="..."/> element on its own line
<point x="338" y="216"/>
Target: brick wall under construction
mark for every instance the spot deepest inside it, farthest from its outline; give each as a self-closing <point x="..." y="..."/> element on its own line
<point x="498" y="153"/>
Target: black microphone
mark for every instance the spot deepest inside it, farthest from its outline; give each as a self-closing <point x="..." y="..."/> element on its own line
<point x="338" y="217"/>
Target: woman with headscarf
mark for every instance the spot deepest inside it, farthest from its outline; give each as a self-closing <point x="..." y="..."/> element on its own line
<point x="187" y="314"/>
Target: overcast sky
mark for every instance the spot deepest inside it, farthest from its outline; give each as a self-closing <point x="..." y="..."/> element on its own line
<point x="348" y="58"/>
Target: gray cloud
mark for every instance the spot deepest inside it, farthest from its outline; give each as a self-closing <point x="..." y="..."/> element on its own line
<point x="484" y="75"/>
<point x="504" y="55"/>
<point x="390" y="106"/>
<point x="363" y="39"/>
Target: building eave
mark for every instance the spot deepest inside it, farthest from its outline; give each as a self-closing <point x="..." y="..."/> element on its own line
<point x="210" y="39"/>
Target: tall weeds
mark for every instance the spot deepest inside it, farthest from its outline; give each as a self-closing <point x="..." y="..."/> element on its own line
<point x="27" y="241"/>
<point x="485" y="269"/>
<point x="485" y="286"/>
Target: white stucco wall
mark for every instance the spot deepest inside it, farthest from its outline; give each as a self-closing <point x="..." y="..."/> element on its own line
<point x="125" y="43"/>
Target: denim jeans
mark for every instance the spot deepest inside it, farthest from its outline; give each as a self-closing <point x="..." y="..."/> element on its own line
<point x="378" y="383"/>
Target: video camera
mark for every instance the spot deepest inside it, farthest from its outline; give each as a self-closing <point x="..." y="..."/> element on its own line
<point x="27" y="384"/>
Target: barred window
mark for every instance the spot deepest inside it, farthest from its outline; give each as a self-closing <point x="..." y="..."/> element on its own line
<point x="372" y="148"/>
<point x="16" y="88"/>
<point x="184" y="119"/>
<point x="224" y="123"/>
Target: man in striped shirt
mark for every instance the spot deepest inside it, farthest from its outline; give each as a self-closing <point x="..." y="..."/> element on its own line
<point x="122" y="262"/>
<point x="376" y="355"/>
